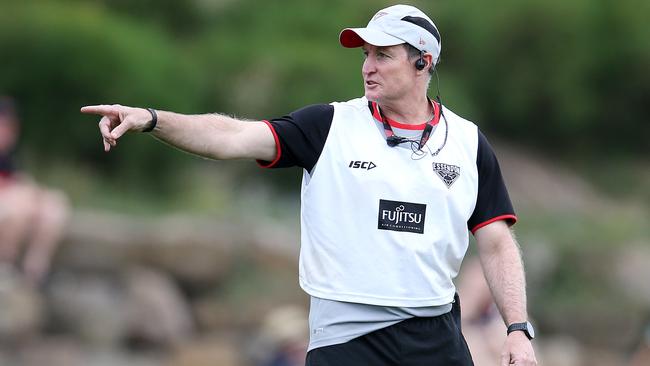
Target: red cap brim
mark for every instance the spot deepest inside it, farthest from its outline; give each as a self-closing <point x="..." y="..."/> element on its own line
<point x="350" y="39"/>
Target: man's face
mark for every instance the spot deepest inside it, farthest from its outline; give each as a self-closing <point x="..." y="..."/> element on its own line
<point x="388" y="75"/>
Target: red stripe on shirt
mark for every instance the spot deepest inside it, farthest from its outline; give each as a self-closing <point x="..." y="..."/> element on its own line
<point x="278" y="150"/>
<point x="509" y="217"/>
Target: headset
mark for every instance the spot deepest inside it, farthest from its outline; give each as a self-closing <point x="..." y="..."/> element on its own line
<point x="395" y="140"/>
<point x="420" y="64"/>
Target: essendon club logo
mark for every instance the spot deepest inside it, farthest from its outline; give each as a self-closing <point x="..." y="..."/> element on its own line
<point x="379" y="15"/>
<point x="448" y="173"/>
<point x="401" y="216"/>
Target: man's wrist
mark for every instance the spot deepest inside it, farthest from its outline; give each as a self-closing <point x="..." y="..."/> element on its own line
<point x="524" y="327"/>
<point x="153" y="122"/>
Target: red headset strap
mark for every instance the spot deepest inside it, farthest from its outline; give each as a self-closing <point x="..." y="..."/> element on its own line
<point x="376" y="113"/>
<point x="388" y="130"/>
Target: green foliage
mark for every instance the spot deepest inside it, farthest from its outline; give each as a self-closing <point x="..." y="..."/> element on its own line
<point x="566" y="74"/>
<point x="60" y="57"/>
<point x="570" y="77"/>
<point x="582" y="278"/>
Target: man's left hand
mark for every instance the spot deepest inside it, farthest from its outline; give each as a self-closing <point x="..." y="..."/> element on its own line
<point x="518" y="351"/>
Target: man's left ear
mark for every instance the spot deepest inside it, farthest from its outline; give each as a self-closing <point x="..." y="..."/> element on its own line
<point x="429" y="59"/>
<point x="423" y="61"/>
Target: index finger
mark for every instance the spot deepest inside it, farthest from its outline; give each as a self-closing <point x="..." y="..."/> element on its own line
<point x="104" y="110"/>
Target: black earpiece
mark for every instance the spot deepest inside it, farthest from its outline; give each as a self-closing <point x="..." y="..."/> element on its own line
<point x="420" y="64"/>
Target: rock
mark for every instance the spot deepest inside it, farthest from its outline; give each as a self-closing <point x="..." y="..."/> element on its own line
<point x="243" y="311"/>
<point x="115" y="357"/>
<point x="158" y="313"/>
<point x="21" y="306"/>
<point x="208" y="351"/>
<point x="212" y="314"/>
<point x="55" y="351"/>
<point x="195" y="250"/>
<point x="559" y="351"/>
<point x="602" y="357"/>
<point x="538" y="184"/>
<point x="90" y="306"/>
<point x="62" y="351"/>
<point x="196" y="265"/>
<point x="632" y="272"/>
<point x="7" y="359"/>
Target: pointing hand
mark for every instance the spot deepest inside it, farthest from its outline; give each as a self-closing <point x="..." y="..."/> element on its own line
<point x="117" y="120"/>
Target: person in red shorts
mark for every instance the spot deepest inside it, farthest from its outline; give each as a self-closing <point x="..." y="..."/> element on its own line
<point x="32" y="217"/>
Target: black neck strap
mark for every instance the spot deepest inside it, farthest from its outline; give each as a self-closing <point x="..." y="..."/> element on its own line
<point x="395" y="140"/>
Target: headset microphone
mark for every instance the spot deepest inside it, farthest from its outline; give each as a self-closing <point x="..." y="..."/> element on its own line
<point x="393" y="141"/>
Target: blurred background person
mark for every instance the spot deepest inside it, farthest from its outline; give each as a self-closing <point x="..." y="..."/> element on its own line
<point x="282" y="338"/>
<point x="641" y="355"/>
<point x="32" y="217"/>
<point x="482" y="325"/>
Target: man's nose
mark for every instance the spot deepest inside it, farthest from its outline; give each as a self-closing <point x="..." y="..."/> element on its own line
<point x="368" y="66"/>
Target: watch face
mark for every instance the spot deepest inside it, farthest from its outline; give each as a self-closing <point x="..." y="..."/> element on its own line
<point x="531" y="330"/>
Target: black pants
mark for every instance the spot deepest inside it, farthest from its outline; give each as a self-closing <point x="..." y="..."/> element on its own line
<point x="436" y="341"/>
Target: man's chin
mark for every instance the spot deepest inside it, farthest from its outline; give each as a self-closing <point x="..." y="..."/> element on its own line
<point x="372" y="97"/>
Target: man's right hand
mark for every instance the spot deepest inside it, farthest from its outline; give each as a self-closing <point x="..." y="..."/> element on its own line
<point x="117" y="120"/>
<point x="213" y="135"/>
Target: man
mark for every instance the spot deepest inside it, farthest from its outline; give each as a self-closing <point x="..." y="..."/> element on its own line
<point x="31" y="216"/>
<point x="392" y="181"/>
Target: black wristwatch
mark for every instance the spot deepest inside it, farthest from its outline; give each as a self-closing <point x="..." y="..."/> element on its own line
<point x="526" y="327"/>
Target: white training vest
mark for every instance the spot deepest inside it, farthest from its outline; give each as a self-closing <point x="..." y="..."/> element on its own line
<point x="379" y="226"/>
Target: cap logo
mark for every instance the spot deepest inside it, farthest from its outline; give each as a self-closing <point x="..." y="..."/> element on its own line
<point x="422" y="42"/>
<point x="379" y="15"/>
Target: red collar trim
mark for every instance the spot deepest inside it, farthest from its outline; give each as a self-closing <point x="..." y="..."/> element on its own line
<point x="376" y="113"/>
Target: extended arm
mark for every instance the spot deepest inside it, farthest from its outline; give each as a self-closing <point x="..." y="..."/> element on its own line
<point x="213" y="136"/>
<point x="504" y="272"/>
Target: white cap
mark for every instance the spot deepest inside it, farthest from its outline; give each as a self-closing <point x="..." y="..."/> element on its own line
<point x="395" y="25"/>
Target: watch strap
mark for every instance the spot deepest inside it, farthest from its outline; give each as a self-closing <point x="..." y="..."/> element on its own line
<point x="520" y="326"/>
<point x="154" y="120"/>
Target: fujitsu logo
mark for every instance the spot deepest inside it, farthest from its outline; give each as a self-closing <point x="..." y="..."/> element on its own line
<point x="401" y="216"/>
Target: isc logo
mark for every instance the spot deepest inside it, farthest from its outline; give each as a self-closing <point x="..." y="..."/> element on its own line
<point x="362" y="165"/>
